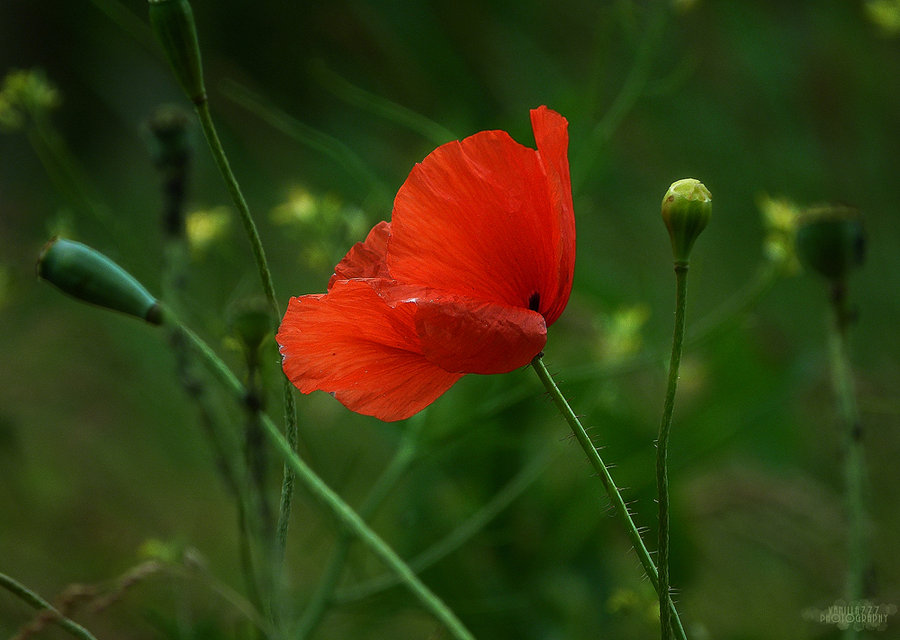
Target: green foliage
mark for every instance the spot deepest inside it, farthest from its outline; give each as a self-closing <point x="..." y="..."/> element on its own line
<point x="323" y="109"/>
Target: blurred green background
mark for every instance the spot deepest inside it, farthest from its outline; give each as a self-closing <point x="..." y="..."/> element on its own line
<point x="323" y="108"/>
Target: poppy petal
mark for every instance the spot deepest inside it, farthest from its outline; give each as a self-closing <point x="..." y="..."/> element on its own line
<point x="483" y="218"/>
<point x="365" y="259"/>
<point x="352" y="343"/>
<point x="552" y="138"/>
<point x="471" y="336"/>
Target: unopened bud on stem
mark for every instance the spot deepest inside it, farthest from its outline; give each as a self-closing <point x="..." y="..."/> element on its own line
<point x="686" y="209"/>
<point x="831" y="240"/>
<point x="90" y="276"/>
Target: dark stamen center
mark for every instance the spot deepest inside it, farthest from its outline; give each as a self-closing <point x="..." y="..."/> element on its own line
<point x="534" y="301"/>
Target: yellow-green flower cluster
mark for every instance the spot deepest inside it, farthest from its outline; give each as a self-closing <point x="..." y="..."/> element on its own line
<point x="26" y="95"/>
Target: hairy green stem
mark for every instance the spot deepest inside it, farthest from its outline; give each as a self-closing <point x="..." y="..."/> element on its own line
<point x="345" y="514"/>
<point x="259" y="254"/>
<point x="27" y="595"/>
<point x="615" y="496"/>
<point x="662" y="450"/>
<point x="854" y="455"/>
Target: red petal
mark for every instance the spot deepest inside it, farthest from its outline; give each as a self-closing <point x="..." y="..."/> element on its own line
<point x="365" y="259"/>
<point x="470" y="336"/>
<point x="552" y="138"/>
<point x="350" y="342"/>
<point x="485" y="218"/>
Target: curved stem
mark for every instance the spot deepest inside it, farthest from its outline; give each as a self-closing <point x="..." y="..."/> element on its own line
<point x="662" y="449"/>
<point x="345" y="514"/>
<point x="24" y="593"/>
<point x="259" y="254"/>
<point x="615" y="496"/>
<point x="234" y="190"/>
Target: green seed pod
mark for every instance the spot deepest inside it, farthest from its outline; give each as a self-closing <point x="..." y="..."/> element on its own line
<point x="173" y="22"/>
<point x="88" y="275"/>
<point x="831" y="240"/>
<point x="686" y="209"/>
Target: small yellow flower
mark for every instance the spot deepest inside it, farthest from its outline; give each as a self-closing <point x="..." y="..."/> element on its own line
<point x="779" y="217"/>
<point x="25" y="94"/>
<point x="205" y="227"/>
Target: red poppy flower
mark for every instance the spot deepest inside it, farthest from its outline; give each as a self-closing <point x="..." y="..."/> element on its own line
<point x="475" y="264"/>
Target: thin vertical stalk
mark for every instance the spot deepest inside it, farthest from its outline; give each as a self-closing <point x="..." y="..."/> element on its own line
<point x="662" y="450"/>
<point x="854" y="455"/>
<point x="259" y="254"/>
<point x="615" y="496"/>
<point x="234" y="190"/>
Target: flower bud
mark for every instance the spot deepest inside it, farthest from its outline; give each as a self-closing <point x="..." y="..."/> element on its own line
<point x="686" y="209"/>
<point x="251" y="322"/>
<point x="831" y="240"/>
<point x="88" y="275"/>
<point x="173" y="22"/>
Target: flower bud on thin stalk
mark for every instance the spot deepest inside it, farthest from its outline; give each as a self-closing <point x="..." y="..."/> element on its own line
<point x="831" y="240"/>
<point x="686" y="210"/>
<point x="88" y="275"/>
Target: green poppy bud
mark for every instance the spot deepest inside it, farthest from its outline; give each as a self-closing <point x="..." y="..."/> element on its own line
<point x="686" y="209"/>
<point x="173" y="22"/>
<point x="831" y="240"/>
<point x="251" y="321"/>
<point x="88" y="275"/>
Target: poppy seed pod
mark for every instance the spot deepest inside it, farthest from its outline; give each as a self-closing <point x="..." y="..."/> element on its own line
<point x="831" y="240"/>
<point x="686" y="209"/>
<point x="90" y="276"/>
<point x="173" y="23"/>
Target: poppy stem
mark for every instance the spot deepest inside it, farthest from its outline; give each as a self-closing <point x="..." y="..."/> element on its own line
<point x="662" y="448"/>
<point x="259" y="254"/>
<point x="344" y="513"/>
<point x="615" y="496"/>
<point x="854" y="455"/>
